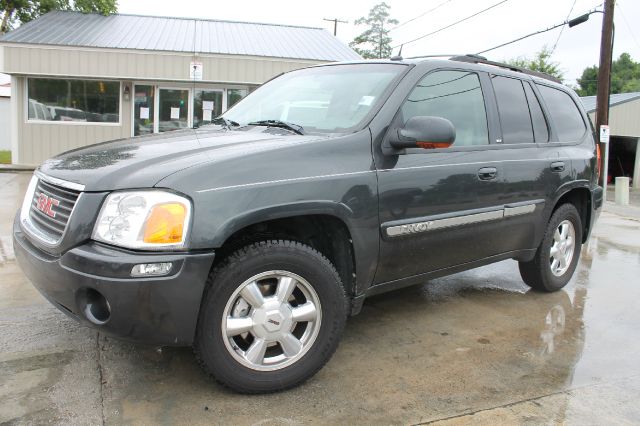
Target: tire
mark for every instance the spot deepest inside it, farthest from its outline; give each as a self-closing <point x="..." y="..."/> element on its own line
<point x="539" y="273"/>
<point x="243" y="295"/>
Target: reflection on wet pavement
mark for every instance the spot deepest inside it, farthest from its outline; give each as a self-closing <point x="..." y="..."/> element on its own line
<point x="473" y="347"/>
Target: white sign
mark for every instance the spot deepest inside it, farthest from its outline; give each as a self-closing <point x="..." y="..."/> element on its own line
<point x="207" y="105"/>
<point x="195" y="70"/>
<point x="604" y="134"/>
<point x="175" y="113"/>
<point x="144" y="113"/>
<point x="206" y="115"/>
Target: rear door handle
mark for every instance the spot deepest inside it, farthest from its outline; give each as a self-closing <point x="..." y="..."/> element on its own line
<point x="557" y="166"/>
<point x="487" y="173"/>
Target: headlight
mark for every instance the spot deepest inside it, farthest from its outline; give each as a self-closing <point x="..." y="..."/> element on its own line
<point x="143" y="220"/>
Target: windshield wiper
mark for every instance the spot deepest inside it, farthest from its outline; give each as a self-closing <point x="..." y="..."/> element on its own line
<point x="224" y="122"/>
<point x="278" y="123"/>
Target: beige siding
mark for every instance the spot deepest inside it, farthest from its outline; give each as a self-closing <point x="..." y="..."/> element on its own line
<point x="41" y="140"/>
<point x="141" y="65"/>
<point x="624" y="119"/>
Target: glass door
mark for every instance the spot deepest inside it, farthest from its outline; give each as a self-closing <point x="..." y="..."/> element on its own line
<point x="173" y="109"/>
<point x="207" y="105"/>
<point x="143" y="109"/>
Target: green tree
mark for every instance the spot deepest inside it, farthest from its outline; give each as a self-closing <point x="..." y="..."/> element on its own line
<point x="625" y="77"/>
<point x="374" y="42"/>
<point x="17" y="12"/>
<point x="541" y="62"/>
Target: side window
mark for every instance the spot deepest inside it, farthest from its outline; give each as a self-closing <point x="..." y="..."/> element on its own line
<point x="456" y="96"/>
<point x="566" y="115"/>
<point x="540" y="129"/>
<point x="513" y="109"/>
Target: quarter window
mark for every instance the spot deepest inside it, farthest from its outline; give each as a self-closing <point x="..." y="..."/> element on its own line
<point x="92" y="101"/>
<point x="456" y="96"/>
<point x="514" y="110"/>
<point x="566" y="115"/>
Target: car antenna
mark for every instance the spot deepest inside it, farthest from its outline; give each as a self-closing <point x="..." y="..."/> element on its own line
<point x="398" y="57"/>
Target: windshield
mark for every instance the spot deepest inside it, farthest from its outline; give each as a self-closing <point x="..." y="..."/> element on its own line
<point x="323" y="99"/>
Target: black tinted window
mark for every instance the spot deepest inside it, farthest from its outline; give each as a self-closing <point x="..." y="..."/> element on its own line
<point x="514" y="110"/>
<point x="456" y="96"/>
<point x="540" y="129"/>
<point x="564" y="114"/>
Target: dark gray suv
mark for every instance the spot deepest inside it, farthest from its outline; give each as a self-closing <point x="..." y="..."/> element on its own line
<point x="254" y="238"/>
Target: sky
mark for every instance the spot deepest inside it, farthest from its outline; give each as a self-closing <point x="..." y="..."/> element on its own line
<point x="576" y="49"/>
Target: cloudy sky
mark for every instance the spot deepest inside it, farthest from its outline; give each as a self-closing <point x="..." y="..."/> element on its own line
<point x="576" y="49"/>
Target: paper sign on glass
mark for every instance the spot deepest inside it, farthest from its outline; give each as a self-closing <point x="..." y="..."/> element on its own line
<point x="175" y="113"/>
<point x="207" y="105"/>
<point x="206" y="115"/>
<point x="144" y="113"/>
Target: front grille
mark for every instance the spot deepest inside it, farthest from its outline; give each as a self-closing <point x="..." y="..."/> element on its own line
<point x="56" y="204"/>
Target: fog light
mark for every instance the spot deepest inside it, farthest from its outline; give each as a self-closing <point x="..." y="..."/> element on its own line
<point x="151" y="269"/>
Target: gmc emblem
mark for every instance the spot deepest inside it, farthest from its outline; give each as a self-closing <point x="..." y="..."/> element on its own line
<point x="45" y="203"/>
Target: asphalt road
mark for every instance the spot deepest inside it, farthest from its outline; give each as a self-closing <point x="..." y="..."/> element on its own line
<point x="476" y="347"/>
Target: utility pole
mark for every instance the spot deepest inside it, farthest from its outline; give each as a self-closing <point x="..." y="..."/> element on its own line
<point x="335" y="24"/>
<point x="604" y="84"/>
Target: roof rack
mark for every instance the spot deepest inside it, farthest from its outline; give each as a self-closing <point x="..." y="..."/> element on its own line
<point x="477" y="59"/>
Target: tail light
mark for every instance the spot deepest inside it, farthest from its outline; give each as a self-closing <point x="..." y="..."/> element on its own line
<point x="599" y="159"/>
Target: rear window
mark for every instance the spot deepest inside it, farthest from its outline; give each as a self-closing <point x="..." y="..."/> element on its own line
<point x="540" y="129"/>
<point x="514" y="110"/>
<point x="565" y="114"/>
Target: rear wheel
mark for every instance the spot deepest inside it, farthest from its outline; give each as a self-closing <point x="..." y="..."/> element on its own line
<point x="271" y="318"/>
<point x="557" y="256"/>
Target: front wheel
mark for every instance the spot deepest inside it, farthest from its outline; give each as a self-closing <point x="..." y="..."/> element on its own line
<point x="272" y="316"/>
<point x="557" y="256"/>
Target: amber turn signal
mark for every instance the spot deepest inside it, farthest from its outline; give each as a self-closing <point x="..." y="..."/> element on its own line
<point x="165" y="224"/>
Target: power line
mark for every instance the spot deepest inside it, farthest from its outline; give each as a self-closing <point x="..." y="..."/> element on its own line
<point x="626" y="23"/>
<point x="553" y="49"/>
<point x="452" y="24"/>
<point x="421" y="15"/>
<point x="553" y="27"/>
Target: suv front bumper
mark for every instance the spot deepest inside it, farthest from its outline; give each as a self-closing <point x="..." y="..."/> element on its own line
<point x="156" y="310"/>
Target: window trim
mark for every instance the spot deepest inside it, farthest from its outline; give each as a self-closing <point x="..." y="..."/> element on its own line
<point x="28" y="120"/>
<point x="545" y="114"/>
<point x="489" y="105"/>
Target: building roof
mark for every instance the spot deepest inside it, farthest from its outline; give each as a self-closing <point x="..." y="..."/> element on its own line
<point x="74" y="29"/>
<point x="5" y="90"/>
<point x="589" y="102"/>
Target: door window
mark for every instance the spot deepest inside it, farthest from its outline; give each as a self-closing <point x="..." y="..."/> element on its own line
<point x="456" y="96"/>
<point x="515" y="118"/>
<point x="565" y="114"/>
<point x="540" y="128"/>
<point x="143" y="110"/>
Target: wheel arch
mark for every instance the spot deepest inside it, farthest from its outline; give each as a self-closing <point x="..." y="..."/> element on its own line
<point x="580" y="196"/>
<point x="321" y="225"/>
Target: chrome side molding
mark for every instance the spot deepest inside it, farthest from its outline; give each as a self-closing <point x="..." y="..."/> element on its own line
<point x="430" y="225"/>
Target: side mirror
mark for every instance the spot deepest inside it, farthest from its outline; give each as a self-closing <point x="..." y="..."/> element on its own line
<point x="425" y="132"/>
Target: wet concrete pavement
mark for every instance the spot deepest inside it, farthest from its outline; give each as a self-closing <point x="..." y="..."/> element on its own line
<point x="475" y="347"/>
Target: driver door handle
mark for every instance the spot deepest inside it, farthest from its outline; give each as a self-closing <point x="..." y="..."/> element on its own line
<point x="487" y="173"/>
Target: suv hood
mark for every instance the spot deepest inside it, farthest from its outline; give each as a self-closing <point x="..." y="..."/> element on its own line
<point x="141" y="162"/>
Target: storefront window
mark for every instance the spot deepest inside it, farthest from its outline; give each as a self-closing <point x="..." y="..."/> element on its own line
<point x="207" y="105"/>
<point x="234" y="95"/>
<point x="92" y="101"/>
